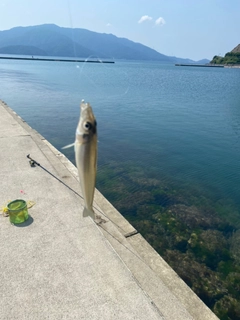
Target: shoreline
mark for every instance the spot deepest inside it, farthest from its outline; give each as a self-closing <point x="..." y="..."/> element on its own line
<point x="164" y="287"/>
<point x="208" y="65"/>
<point x="198" y="65"/>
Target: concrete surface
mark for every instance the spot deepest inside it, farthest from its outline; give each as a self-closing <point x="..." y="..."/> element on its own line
<point x="58" y="265"/>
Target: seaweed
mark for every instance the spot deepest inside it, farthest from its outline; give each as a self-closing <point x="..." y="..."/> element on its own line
<point x="198" y="235"/>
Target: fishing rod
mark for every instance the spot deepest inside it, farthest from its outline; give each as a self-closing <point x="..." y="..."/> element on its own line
<point x="34" y="162"/>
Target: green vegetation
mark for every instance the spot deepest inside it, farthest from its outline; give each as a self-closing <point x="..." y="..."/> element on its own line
<point x="231" y="58"/>
<point x="197" y="236"/>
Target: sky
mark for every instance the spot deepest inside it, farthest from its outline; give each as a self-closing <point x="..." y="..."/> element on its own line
<point x="194" y="29"/>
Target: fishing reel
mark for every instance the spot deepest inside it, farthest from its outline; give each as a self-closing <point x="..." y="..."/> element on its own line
<point x="32" y="162"/>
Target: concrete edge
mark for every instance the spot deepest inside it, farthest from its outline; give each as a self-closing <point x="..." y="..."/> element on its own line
<point x="194" y="305"/>
<point x="170" y="278"/>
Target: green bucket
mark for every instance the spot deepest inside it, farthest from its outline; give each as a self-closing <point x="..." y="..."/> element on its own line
<point x="18" y="211"/>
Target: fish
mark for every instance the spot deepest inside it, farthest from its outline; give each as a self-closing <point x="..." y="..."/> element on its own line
<point x="85" y="147"/>
<point x="86" y="156"/>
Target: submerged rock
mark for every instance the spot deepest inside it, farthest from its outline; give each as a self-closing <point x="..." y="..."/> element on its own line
<point x="209" y="247"/>
<point x="206" y="283"/>
<point x="194" y="217"/>
<point x="235" y="246"/>
<point x="227" y="308"/>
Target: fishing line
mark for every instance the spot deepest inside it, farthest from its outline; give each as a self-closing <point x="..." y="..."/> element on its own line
<point x="108" y="73"/>
<point x="137" y="256"/>
<point x="34" y="162"/>
<point x="99" y="224"/>
<point x="105" y="71"/>
<point x="71" y="24"/>
<point x="132" y="252"/>
<point x="85" y="74"/>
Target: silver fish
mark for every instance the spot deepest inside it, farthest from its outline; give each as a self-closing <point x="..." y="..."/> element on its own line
<point x="86" y="156"/>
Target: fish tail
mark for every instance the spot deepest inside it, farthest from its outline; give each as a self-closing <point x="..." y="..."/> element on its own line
<point x="87" y="213"/>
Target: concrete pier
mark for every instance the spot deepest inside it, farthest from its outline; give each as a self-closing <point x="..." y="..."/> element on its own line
<point x="59" y="265"/>
<point x="56" y="59"/>
<point x="199" y="65"/>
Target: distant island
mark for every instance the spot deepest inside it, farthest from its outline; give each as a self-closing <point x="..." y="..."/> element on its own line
<point x="230" y="58"/>
<point x="50" y="40"/>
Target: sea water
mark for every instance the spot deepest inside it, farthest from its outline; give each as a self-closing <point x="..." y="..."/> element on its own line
<point x="180" y="125"/>
<point x="169" y="154"/>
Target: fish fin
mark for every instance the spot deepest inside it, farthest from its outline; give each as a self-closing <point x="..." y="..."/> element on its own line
<point x="68" y="146"/>
<point x="87" y="213"/>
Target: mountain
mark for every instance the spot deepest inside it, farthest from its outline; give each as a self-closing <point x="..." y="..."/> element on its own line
<point x="231" y="58"/>
<point x="51" y="40"/>
<point x="23" y="50"/>
<point x="236" y="49"/>
<point x="203" y="61"/>
<point x="48" y="38"/>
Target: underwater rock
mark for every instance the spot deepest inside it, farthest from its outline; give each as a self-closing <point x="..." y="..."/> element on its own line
<point x="209" y="247"/>
<point x="194" y="217"/>
<point x="213" y="240"/>
<point x="233" y="280"/>
<point x="204" y="282"/>
<point x="227" y="308"/>
<point x="235" y="246"/>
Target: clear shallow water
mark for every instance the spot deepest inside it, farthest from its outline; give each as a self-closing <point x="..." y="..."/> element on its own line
<point x="179" y="124"/>
<point x="169" y="155"/>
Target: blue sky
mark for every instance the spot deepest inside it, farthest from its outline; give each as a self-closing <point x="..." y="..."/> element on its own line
<point x="193" y="29"/>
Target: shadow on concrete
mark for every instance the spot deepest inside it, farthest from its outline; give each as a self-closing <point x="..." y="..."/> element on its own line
<point x="25" y="223"/>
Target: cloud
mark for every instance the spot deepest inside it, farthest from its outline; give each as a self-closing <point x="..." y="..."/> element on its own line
<point x="160" y="21"/>
<point x="144" y="18"/>
<point x="108" y="24"/>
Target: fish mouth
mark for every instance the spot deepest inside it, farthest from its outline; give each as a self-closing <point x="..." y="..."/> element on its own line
<point x="87" y="113"/>
<point x="84" y="105"/>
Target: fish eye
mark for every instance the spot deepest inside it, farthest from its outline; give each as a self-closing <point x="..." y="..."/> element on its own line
<point x="87" y="125"/>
